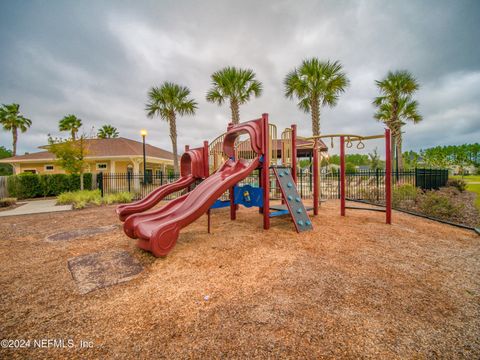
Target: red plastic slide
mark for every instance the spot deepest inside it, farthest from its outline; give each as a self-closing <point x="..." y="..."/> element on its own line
<point x="157" y="231"/>
<point x="159" y="234"/>
<point x="192" y="167"/>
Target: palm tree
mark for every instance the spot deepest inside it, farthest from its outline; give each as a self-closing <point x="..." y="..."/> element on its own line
<point x="11" y="120"/>
<point x="316" y="83"/>
<point x="395" y="106"/>
<point x="70" y="123"/>
<point x="236" y="85"/>
<point x="107" y="132"/>
<point x="167" y="101"/>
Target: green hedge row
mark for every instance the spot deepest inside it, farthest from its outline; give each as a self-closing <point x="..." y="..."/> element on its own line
<point x="27" y="185"/>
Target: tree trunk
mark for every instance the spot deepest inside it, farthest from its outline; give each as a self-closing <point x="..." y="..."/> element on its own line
<point x="315" y="111"/>
<point x="399" y="151"/>
<point x="73" y="134"/>
<point x="15" y="137"/>
<point x="173" y="136"/>
<point x="81" y="180"/>
<point x="392" y="148"/>
<point x="234" y="107"/>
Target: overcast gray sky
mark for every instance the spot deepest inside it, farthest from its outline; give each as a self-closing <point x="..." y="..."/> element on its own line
<point x="97" y="60"/>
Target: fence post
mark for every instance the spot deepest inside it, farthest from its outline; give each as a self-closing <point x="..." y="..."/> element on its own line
<point x="425" y="179"/>
<point x="378" y="182"/>
<point x="129" y="179"/>
<point x="100" y="182"/>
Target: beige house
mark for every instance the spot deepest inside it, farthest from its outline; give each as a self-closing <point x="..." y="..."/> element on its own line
<point x="117" y="155"/>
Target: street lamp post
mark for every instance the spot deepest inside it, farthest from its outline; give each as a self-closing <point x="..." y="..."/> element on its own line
<point x="143" y="132"/>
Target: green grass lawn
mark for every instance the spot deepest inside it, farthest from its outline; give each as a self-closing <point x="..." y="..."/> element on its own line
<point x="476" y="189"/>
<point x="471" y="187"/>
<point x="468" y="178"/>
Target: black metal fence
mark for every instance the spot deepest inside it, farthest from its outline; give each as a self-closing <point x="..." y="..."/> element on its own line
<point x="361" y="184"/>
<point x="138" y="184"/>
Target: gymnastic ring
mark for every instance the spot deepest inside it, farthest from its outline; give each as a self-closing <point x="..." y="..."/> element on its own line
<point x="349" y="143"/>
<point x="331" y="142"/>
<point x="360" y="145"/>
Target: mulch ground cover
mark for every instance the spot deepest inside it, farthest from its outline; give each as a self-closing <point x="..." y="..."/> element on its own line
<point x="354" y="287"/>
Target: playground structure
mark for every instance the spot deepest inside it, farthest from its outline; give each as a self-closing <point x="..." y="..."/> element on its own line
<point x="222" y="165"/>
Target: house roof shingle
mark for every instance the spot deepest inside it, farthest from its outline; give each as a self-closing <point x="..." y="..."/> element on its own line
<point x="103" y="148"/>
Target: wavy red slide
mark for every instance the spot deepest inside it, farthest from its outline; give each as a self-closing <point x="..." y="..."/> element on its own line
<point x="154" y="197"/>
<point x="133" y="220"/>
<point x="159" y="234"/>
<point x="193" y="166"/>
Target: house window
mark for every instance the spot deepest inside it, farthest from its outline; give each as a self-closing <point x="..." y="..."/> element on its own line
<point x="101" y="166"/>
<point x="30" y="171"/>
<point x="49" y="167"/>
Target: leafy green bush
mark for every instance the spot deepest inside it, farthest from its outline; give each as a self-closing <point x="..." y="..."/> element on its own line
<point x="460" y="184"/>
<point x="439" y="205"/>
<point x="118" y="198"/>
<point x="350" y="168"/>
<point x="404" y="193"/>
<point x="24" y="186"/>
<point x="6" y="202"/>
<point x="80" y="199"/>
<point x="54" y="184"/>
<point x="27" y="185"/>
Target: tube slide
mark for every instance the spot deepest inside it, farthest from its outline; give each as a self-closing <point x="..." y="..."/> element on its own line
<point x="158" y="233"/>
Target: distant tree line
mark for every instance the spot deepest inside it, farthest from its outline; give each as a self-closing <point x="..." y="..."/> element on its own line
<point x="444" y="156"/>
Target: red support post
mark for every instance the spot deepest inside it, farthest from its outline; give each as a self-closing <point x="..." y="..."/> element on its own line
<point x="233" y="208"/>
<point x="205" y="159"/>
<point x="316" y="192"/>
<point x="388" y="178"/>
<point x="187" y="147"/>
<point x="266" y="173"/>
<point x="208" y="220"/>
<point x="342" y="175"/>
<point x="294" y="153"/>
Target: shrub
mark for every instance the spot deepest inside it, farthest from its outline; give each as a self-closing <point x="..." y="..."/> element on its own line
<point x="406" y="193"/>
<point x="118" y="198"/>
<point x="33" y="185"/>
<point x="370" y="194"/>
<point x="80" y="199"/>
<point x="6" y="202"/>
<point x="460" y="184"/>
<point x="24" y="186"/>
<point x="439" y="205"/>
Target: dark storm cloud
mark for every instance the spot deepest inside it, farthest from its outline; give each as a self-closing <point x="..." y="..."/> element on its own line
<point x="98" y="60"/>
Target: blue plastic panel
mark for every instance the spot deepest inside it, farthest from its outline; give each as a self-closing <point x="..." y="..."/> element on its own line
<point x="248" y="196"/>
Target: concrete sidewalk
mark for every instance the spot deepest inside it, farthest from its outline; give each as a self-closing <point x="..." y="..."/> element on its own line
<point x="36" y="207"/>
